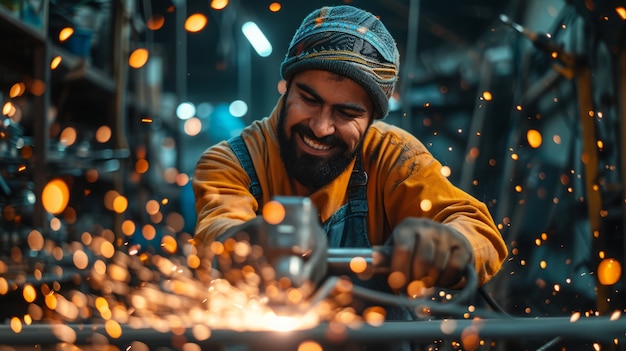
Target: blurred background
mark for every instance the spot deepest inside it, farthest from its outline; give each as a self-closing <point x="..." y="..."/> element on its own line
<point x="107" y="105"/>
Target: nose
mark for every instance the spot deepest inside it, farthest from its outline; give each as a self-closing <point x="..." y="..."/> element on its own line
<point x="323" y="125"/>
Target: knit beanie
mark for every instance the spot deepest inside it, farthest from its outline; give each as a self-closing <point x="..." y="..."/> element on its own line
<point x="350" y="42"/>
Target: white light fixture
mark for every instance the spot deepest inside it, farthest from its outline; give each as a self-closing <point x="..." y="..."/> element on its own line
<point x="257" y="39"/>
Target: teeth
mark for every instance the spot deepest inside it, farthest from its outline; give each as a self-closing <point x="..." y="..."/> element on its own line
<point x="314" y="144"/>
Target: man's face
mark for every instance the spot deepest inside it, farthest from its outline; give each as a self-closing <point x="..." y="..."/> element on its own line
<point x="322" y="124"/>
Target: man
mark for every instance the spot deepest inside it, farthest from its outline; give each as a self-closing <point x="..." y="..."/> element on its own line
<point x="372" y="183"/>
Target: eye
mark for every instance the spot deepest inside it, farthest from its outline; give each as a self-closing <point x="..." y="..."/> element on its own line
<point x="348" y="114"/>
<point x="308" y="98"/>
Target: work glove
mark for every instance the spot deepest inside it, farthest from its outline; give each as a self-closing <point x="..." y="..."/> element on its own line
<point x="290" y="253"/>
<point x="429" y="251"/>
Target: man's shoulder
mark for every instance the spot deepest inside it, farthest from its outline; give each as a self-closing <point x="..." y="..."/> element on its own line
<point x="383" y="130"/>
<point x="259" y="133"/>
<point x="385" y="135"/>
<point x="260" y="139"/>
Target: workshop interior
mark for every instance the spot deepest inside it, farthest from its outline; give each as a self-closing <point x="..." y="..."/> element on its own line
<point x="107" y="105"/>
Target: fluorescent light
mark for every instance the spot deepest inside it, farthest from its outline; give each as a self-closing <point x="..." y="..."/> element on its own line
<point x="257" y="39"/>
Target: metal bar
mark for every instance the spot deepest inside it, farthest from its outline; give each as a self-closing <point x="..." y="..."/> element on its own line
<point x="41" y="55"/>
<point x="181" y="50"/>
<point x="339" y="259"/>
<point x="121" y="47"/>
<point x="596" y="329"/>
<point x="622" y="123"/>
<point x="339" y="263"/>
<point x="411" y="58"/>
<point x="592" y="174"/>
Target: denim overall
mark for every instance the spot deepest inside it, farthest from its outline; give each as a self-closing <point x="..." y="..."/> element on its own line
<point x="345" y="228"/>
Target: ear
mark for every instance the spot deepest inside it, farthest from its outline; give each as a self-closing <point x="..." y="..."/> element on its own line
<point x="282" y="87"/>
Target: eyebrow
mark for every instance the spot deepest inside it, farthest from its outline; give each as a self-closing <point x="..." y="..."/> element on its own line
<point x="345" y="106"/>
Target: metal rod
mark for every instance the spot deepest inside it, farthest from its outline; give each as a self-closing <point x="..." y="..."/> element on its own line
<point x="590" y="329"/>
<point x="339" y="259"/>
<point x="622" y="123"/>
<point x="410" y="61"/>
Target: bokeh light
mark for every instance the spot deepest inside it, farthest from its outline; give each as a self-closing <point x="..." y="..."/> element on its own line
<point x="120" y="204"/>
<point x="195" y="22"/>
<point x="152" y="207"/>
<point x="358" y="264"/>
<point x="128" y="227"/>
<point x="185" y="110"/>
<point x="55" y="196"/>
<point x="609" y="271"/>
<point x="35" y="240"/>
<point x="193" y="126"/>
<point x="142" y="166"/>
<point x="310" y="346"/>
<point x="37" y="87"/>
<point x="8" y="109"/>
<point x="55" y="62"/>
<point x="275" y="7"/>
<point x="109" y="197"/>
<point x="155" y="22"/>
<point x="219" y="4"/>
<point x="238" y="108"/>
<point x="17" y="89"/>
<point x="534" y="138"/>
<point x="426" y="205"/>
<point x="148" y="231"/>
<point x="65" y="33"/>
<point x="138" y="58"/>
<point x="169" y="244"/>
<point x="274" y="212"/>
<point x="68" y="136"/>
<point x="446" y="171"/>
<point x="103" y="134"/>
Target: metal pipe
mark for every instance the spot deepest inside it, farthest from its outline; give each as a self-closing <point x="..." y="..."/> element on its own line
<point x="339" y="259"/>
<point x="410" y="62"/>
<point x="595" y="329"/>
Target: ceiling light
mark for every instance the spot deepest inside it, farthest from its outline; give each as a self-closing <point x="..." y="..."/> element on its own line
<point x="257" y="39"/>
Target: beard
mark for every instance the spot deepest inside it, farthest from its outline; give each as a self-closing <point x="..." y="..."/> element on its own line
<point x="312" y="171"/>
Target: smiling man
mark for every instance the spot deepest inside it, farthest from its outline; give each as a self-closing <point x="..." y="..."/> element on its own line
<point x="317" y="150"/>
<point x="371" y="182"/>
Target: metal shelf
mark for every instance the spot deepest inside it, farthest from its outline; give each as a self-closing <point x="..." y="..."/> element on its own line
<point x="75" y="69"/>
<point x="84" y="95"/>
<point x="16" y="30"/>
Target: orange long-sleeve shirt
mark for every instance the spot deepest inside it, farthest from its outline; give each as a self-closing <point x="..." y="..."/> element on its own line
<point x="405" y="180"/>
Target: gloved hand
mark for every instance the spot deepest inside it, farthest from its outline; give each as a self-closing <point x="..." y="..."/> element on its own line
<point x="295" y="248"/>
<point x="434" y="253"/>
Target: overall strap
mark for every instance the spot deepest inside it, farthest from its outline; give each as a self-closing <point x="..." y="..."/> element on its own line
<point x="241" y="151"/>
<point x="355" y="229"/>
<point x="357" y="187"/>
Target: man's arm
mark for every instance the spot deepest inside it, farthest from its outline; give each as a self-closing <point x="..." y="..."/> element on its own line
<point x="462" y="230"/>
<point x="221" y="193"/>
<point x="415" y="187"/>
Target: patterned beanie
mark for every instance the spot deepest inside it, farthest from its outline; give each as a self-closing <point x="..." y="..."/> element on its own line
<point x="350" y="42"/>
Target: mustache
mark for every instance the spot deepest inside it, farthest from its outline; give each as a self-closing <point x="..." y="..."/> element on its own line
<point x="328" y="140"/>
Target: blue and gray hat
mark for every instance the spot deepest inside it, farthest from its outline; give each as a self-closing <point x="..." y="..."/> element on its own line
<point x="350" y="42"/>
